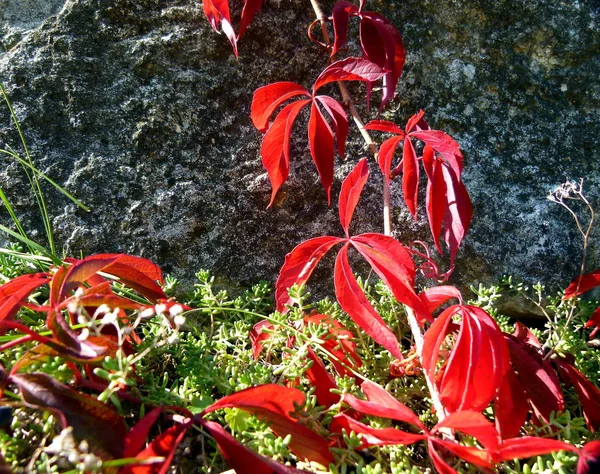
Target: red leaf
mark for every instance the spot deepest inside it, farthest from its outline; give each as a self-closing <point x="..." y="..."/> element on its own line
<point x="436" y="296"/>
<point x="472" y="423"/>
<point x="299" y="265"/>
<point x="275" y="147"/>
<point x="374" y="436"/>
<point x="339" y="119"/>
<point x="342" y="11"/>
<point x="589" y="458"/>
<point x="242" y="459"/>
<point x="470" y="454"/>
<point x="537" y="377"/>
<point x="443" y="144"/>
<point x="416" y="122"/>
<point x="349" y="69"/>
<point x="320" y="140"/>
<point x="380" y="403"/>
<point x="350" y="192"/>
<point x="274" y="404"/>
<point x="477" y="362"/>
<point x="81" y="271"/>
<point x="266" y="99"/>
<point x="436" y="198"/>
<point x="138" y="274"/>
<point x="588" y="393"/>
<point x="354" y="302"/>
<point x="594" y="321"/>
<point x="90" y="419"/>
<point x="582" y="284"/>
<point x="251" y="8"/>
<point x="322" y="381"/>
<point x="217" y="11"/>
<point x="510" y="406"/>
<point x="529" y="446"/>
<point x="438" y="462"/>
<point x="460" y="212"/>
<point x="384" y="126"/>
<point x="14" y="294"/>
<point x="382" y="44"/>
<point x="394" y="265"/>
<point x="164" y="445"/>
<point x="386" y="155"/>
<point x="410" y="177"/>
<point x="258" y="336"/>
<point x="339" y="343"/>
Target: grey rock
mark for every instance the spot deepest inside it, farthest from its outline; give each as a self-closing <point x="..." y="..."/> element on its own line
<point x="141" y="110"/>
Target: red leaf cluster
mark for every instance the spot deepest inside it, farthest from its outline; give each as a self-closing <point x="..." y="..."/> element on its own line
<point x="386" y="256"/>
<point x="447" y="200"/>
<point x="275" y="148"/>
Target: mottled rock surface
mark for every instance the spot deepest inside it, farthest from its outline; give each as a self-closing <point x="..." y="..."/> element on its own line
<point x="141" y="110"/>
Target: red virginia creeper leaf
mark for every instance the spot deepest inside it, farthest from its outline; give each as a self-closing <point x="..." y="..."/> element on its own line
<point x="320" y="141"/>
<point x="436" y="296"/>
<point x="275" y="147"/>
<point x="14" y="294"/>
<point x="384" y="126"/>
<point x="386" y="155"/>
<point x="582" y="284"/>
<point x="90" y="419"/>
<point x="339" y="119"/>
<point x="410" y="176"/>
<point x="436" y="198"/>
<point x="510" y="406"/>
<point x="438" y="462"/>
<point x="274" y="404"/>
<point x="382" y="44"/>
<point x="349" y="69"/>
<point x="217" y="12"/>
<point x="381" y="403"/>
<point x="164" y="445"/>
<point x="267" y="98"/>
<point x="460" y="212"/>
<point x="342" y="11"/>
<point x="350" y="193"/>
<point x="251" y="8"/>
<point x="299" y="265"/>
<point x="374" y="436"/>
<point x="242" y="459"/>
<point x="589" y="458"/>
<point x="322" y="380"/>
<point x="443" y="144"/>
<point x="81" y="271"/>
<point x="588" y="393"/>
<point x="354" y="302"/>
<point x="529" y="446"/>
<point x="477" y="362"/>
<point x="394" y="265"/>
<point x="472" y="423"/>
<point x="258" y="336"/>
<point x="339" y="343"/>
<point x="537" y="377"/>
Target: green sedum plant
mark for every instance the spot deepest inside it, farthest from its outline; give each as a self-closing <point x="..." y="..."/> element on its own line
<point x="388" y="378"/>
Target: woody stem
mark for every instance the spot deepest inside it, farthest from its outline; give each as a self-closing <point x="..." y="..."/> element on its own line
<point x="387" y="226"/>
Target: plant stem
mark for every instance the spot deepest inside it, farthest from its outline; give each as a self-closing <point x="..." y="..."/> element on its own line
<point x="387" y="227"/>
<point x="435" y="396"/>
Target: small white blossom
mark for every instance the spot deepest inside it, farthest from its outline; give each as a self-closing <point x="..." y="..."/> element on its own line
<point x="147" y="313"/>
<point x="160" y="308"/>
<point x="110" y="317"/>
<point x="179" y="321"/>
<point x="175" y="310"/>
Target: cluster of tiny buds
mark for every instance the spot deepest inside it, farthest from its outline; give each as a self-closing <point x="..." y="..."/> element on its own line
<point x="64" y="446"/>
